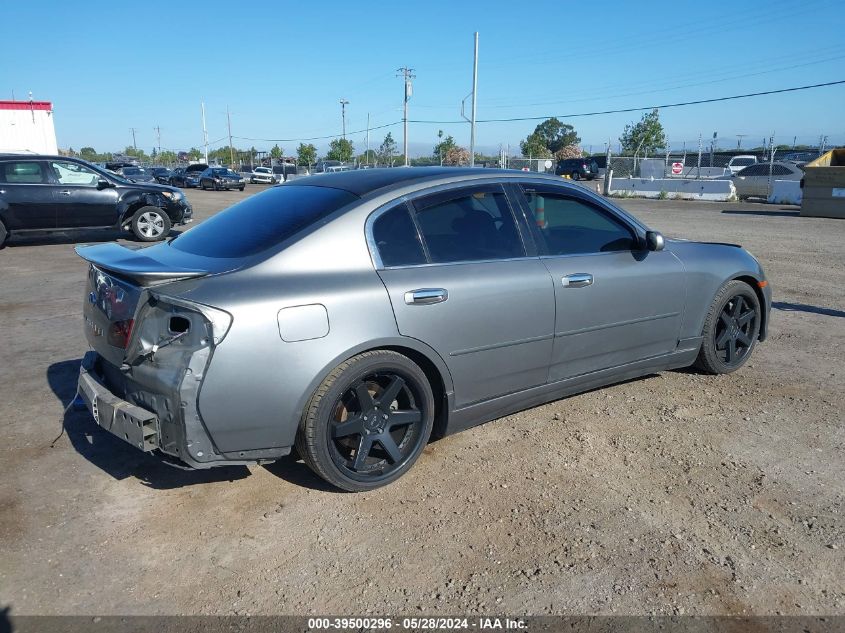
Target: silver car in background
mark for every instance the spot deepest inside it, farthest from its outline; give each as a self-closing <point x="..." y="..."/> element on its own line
<point x="264" y="175"/>
<point x="753" y="181"/>
<point x="356" y="315"/>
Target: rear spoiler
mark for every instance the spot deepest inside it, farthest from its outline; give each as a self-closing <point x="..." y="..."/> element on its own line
<point x="147" y="266"/>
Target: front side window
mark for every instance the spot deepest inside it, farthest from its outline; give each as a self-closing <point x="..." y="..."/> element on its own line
<point x="68" y="173"/>
<point x="473" y="225"/>
<point x="396" y="238"/>
<point x="28" y="173"/>
<point x="569" y="226"/>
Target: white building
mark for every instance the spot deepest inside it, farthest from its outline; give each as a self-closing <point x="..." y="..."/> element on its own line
<point x="27" y="126"/>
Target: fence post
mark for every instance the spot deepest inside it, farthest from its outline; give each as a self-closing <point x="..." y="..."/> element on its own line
<point x="608" y="172"/>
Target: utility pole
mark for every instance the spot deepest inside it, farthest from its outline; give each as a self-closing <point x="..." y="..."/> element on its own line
<point x="158" y="137"/>
<point x="407" y="75"/>
<point x="231" y="150"/>
<point x="473" y="95"/>
<point x="134" y="144"/>
<point x="343" y="104"/>
<point x="739" y="138"/>
<point x="367" y="154"/>
<point x="204" y="131"/>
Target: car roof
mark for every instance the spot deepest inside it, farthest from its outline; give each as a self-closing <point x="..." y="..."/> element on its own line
<point x="364" y="181"/>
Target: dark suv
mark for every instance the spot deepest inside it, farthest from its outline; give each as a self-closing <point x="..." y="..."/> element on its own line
<point x="578" y="168"/>
<point x="49" y="193"/>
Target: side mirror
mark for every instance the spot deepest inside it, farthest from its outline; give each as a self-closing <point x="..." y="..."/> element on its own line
<point x="654" y="241"/>
<point x="102" y="183"/>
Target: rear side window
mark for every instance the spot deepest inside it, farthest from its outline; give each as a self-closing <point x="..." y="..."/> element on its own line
<point x="569" y="226"/>
<point x="396" y="238"/>
<point x="23" y="173"/>
<point x="262" y="221"/>
<point x="473" y="225"/>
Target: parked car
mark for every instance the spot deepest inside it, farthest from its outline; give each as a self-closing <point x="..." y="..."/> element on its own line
<point x="136" y="174"/>
<point x="161" y="174"/>
<point x="263" y="174"/>
<point x="753" y="181"/>
<point x="221" y="178"/>
<point x="375" y="309"/>
<point x="47" y="193"/>
<point x="578" y="168"/>
<point x="737" y="163"/>
<point x="188" y="176"/>
<point x="800" y="157"/>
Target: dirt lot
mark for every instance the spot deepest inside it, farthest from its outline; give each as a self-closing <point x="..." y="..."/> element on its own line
<point x="676" y="493"/>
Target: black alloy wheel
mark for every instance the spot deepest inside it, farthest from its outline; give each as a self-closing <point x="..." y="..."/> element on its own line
<point x="368" y="422"/>
<point x="731" y="329"/>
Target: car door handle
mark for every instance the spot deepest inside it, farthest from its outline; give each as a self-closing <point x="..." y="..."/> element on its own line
<point x="577" y="280"/>
<point x="426" y="296"/>
<point x="64" y="192"/>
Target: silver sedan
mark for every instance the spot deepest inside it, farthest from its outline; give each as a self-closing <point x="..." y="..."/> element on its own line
<point x="355" y="315"/>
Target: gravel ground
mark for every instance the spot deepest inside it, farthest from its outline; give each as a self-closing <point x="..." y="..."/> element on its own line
<point x="674" y="494"/>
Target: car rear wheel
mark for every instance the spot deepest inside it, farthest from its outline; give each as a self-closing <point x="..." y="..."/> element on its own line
<point x="368" y="422"/>
<point x="576" y="175"/>
<point x="150" y="224"/>
<point x="730" y="329"/>
<point x="241" y="188"/>
<point x="3" y="234"/>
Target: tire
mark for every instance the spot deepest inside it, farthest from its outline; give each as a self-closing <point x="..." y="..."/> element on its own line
<point x="352" y="437"/>
<point x="242" y="187"/>
<point x="150" y="224"/>
<point x="731" y="328"/>
<point x="576" y="175"/>
<point x="3" y="234"/>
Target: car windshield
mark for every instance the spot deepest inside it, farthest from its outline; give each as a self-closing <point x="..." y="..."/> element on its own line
<point x="132" y="171"/>
<point x="221" y="171"/>
<point x="743" y="162"/>
<point x="262" y="221"/>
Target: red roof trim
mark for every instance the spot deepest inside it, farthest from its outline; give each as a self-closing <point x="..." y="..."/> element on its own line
<point x="26" y="105"/>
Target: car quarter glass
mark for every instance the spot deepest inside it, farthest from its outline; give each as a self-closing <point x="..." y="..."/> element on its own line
<point x="396" y="238"/>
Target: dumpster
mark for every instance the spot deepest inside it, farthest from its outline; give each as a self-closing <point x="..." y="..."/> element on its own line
<point x="824" y="186"/>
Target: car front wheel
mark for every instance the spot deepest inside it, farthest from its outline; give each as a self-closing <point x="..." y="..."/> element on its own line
<point x="150" y="224"/>
<point x="730" y="329"/>
<point x="368" y="422"/>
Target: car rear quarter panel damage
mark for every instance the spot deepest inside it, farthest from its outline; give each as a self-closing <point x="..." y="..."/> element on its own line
<point x="258" y="384"/>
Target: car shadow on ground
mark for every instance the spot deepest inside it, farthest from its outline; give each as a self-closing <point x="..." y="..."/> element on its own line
<point x="294" y="471"/>
<point x="79" y="237"/>
<point x="802" y="307"/>
<point x="114" y="456"/>
<point x="786" y="213"/>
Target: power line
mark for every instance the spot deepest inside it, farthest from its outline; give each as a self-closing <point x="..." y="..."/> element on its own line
<point x="313" y="138"/>
<point x="639" y="109"/>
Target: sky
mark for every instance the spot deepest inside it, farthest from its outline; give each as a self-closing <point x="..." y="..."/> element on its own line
<point x="282" y="67"/>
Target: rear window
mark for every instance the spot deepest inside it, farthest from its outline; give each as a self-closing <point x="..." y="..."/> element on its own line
<point x="262" y="221"/>
<point x="743" y="162"/>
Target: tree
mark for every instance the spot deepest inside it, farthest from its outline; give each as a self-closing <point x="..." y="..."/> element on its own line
<point x="570" y="151"/>
<point x="457" y="156"/>
<point x="387" y="149"/>
<point x="442" y="148"/>
<point x="644" y="137"/>
<point x="167" y="157"/>
<point x="194" y="154"/>
<point x="276" y="151"/>
<point x="306" y="154"/>
<point x="341" y="149"/>
<point x="534" y="147"/>
<point x="556" y="135"/>
<point x="370" y="157"/>
<point x="89" y="154"/>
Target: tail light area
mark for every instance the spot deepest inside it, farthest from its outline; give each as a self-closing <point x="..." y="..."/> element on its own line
<point x="119" y="333"/>
<point x="168" y="330"/>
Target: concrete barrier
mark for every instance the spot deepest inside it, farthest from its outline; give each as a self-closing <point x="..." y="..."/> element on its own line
<point x="786" y="192"/>
<point x="717" y="190"/>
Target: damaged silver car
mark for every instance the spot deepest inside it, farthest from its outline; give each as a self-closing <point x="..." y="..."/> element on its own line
<point x="353" y="316"/>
